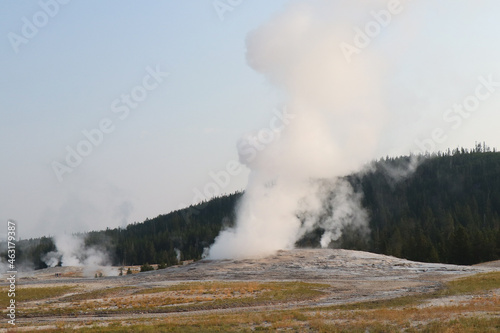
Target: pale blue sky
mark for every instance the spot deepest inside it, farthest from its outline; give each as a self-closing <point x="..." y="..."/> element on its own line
<point x="65" y="78"/>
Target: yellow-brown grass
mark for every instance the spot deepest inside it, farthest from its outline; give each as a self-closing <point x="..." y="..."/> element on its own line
<point x="469" y="304"/>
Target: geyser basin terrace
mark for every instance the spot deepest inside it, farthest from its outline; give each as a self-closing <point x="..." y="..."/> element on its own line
<point x="297" y="289"/>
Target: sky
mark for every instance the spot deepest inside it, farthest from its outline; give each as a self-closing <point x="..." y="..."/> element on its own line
<point x="112" y="112"/>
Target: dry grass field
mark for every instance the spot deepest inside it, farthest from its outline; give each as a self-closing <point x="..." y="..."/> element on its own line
<point x="331" y="291"/>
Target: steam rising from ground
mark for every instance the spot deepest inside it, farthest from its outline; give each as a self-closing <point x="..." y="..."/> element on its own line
<point x="338" y="113"/>
<point x="345" y="113"/>
<point x="71" y="251"/>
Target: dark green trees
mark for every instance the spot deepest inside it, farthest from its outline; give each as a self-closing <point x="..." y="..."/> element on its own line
<point x="447" y="210"/>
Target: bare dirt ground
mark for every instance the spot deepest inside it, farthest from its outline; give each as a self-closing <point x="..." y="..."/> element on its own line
<point x="345" y="276"/>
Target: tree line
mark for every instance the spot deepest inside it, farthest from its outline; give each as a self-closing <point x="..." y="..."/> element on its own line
<point x="446" y="210"/>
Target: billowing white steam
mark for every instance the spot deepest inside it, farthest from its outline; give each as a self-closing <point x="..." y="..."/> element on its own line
<point x="348" y="108"/>
<point x="71" y="251"/>
<point x="337" y="112"/>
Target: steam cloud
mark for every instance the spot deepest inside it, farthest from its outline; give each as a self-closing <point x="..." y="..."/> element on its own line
<point x="71" y="251"/>
<point x="337" y="114"/>
<point x="346" y="113"/>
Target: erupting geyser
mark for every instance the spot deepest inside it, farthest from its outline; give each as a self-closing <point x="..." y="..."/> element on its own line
<point x="71" y="251"/>
<point x="345" y="67"/>
<point x="337" y="111"/>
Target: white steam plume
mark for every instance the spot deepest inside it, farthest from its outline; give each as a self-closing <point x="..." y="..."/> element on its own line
<point x="346" y="113"/>
<point x="337" y="112"/>
<point x="71" y="251"/>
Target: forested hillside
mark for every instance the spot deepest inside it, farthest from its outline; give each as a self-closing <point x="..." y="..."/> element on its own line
<point x="179" y="235"/>
<point x="447" y="210"/>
